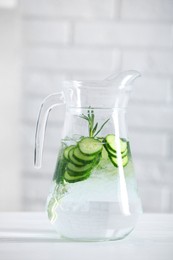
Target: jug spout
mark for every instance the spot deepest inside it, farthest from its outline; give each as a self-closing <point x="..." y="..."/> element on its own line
<point x="124" y="79"/>
<point x="123" y="85"/>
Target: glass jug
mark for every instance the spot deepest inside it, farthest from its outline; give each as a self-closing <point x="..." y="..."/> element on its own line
<point x="93" y="196"/>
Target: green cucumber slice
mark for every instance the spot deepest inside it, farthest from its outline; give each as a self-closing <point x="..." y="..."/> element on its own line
<point x="82" y="157"/>
<point x="73" y="160"/>
<point x="72" y="179"/>
<point x="67" y="150"/>
<point x="90" y="146"/>
<point x="124" y="153"/>
<point x="114" y="154"/>
<point x="113" y="144"/>
<point x="116" y="162"/>
<point x="78" y="170"/>
<point x="96" y="160"/>
<point x="104" y="153"/>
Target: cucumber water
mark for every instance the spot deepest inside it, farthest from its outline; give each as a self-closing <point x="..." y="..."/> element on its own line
<point x="94" y="190"/>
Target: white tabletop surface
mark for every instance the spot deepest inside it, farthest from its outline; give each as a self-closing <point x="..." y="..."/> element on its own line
<point x="25" y="236"/>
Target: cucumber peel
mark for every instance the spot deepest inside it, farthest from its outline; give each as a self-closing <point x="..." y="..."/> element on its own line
<point x="66" y="151"/>
<point x="117" y="162"/>
<point x="114" y="144"/>
<point x="73" y="160"/>
<point x="114" y="154"/>
<point x="72" y="179"/>
<point x="78" y="170"/>
<point x="83" y="157"/>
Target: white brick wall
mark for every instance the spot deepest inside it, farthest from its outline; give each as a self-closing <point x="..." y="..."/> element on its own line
<point x="148" y="10"/>
<point x="151" y="117"/>
<point x="70" y="9"/>
<point x="71" y="58"/>
<point x="10" y="184"/>
<point x="90" y="39"/>
<point x="151" y="91"/>
<point x="149" y="61"/>
<point x="54" y="31"/>
<point x="112" y="33"/>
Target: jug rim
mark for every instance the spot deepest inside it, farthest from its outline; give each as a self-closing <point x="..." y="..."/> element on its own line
<point x="92" y="84"/>
<point x="119" y="81"/>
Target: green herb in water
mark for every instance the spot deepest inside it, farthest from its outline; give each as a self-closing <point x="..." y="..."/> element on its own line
<point x="92" y="126"/>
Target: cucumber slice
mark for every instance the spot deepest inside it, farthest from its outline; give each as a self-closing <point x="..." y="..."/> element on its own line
<point x="124" y="153"/>
<point x="82" y="157"/>
<point x="90" y="146"/>
<point x="97" y="160"/>
<point x="111" y="143"/>
<point x="115" y="161"/>
<point x="67" y="150"/>
<point x="73" y="179"/>
<point x="104" y="153"/>
<point x="114" y="154"/>
<point x="78" y="170"/>
<point x="73" y="160"/>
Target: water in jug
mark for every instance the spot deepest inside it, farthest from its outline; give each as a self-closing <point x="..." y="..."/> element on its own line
<point x="93" y="196"/>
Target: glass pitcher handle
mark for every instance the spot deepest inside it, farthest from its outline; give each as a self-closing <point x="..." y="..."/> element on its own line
<point x="50" y="102"/>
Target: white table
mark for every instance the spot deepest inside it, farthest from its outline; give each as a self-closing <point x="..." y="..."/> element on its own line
<point x="29" y="236"/>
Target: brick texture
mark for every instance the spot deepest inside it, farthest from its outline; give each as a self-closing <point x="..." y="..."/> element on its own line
<point x="149" y="61"/>
<point x="91" y="39"/>
<point x="123" y="34"/>
<point x="155" y="90"/>
<point x="39" y="31"/>
<point x="69" y="9"/>
<point x="148" y="10"/>
<point x="71" y="59"/>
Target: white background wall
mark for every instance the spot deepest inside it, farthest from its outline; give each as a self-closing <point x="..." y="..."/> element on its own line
<point x="90" y="39"/>
<point x="10" y="174"/>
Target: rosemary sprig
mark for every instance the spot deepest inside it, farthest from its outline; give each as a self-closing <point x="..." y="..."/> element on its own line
<point x="92" y="127"/>
<point x="101" y="127"/>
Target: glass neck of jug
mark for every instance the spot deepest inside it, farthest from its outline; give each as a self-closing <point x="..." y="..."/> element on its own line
<point x="112" y="92"/>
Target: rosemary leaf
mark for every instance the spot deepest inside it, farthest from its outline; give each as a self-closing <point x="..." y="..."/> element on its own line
<point x="95" y="128"/>
<point x="101" y="127"/>
<point x="84" y="117"/>
<point x="92" y="118"/>
<point x="89" y="114"/>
